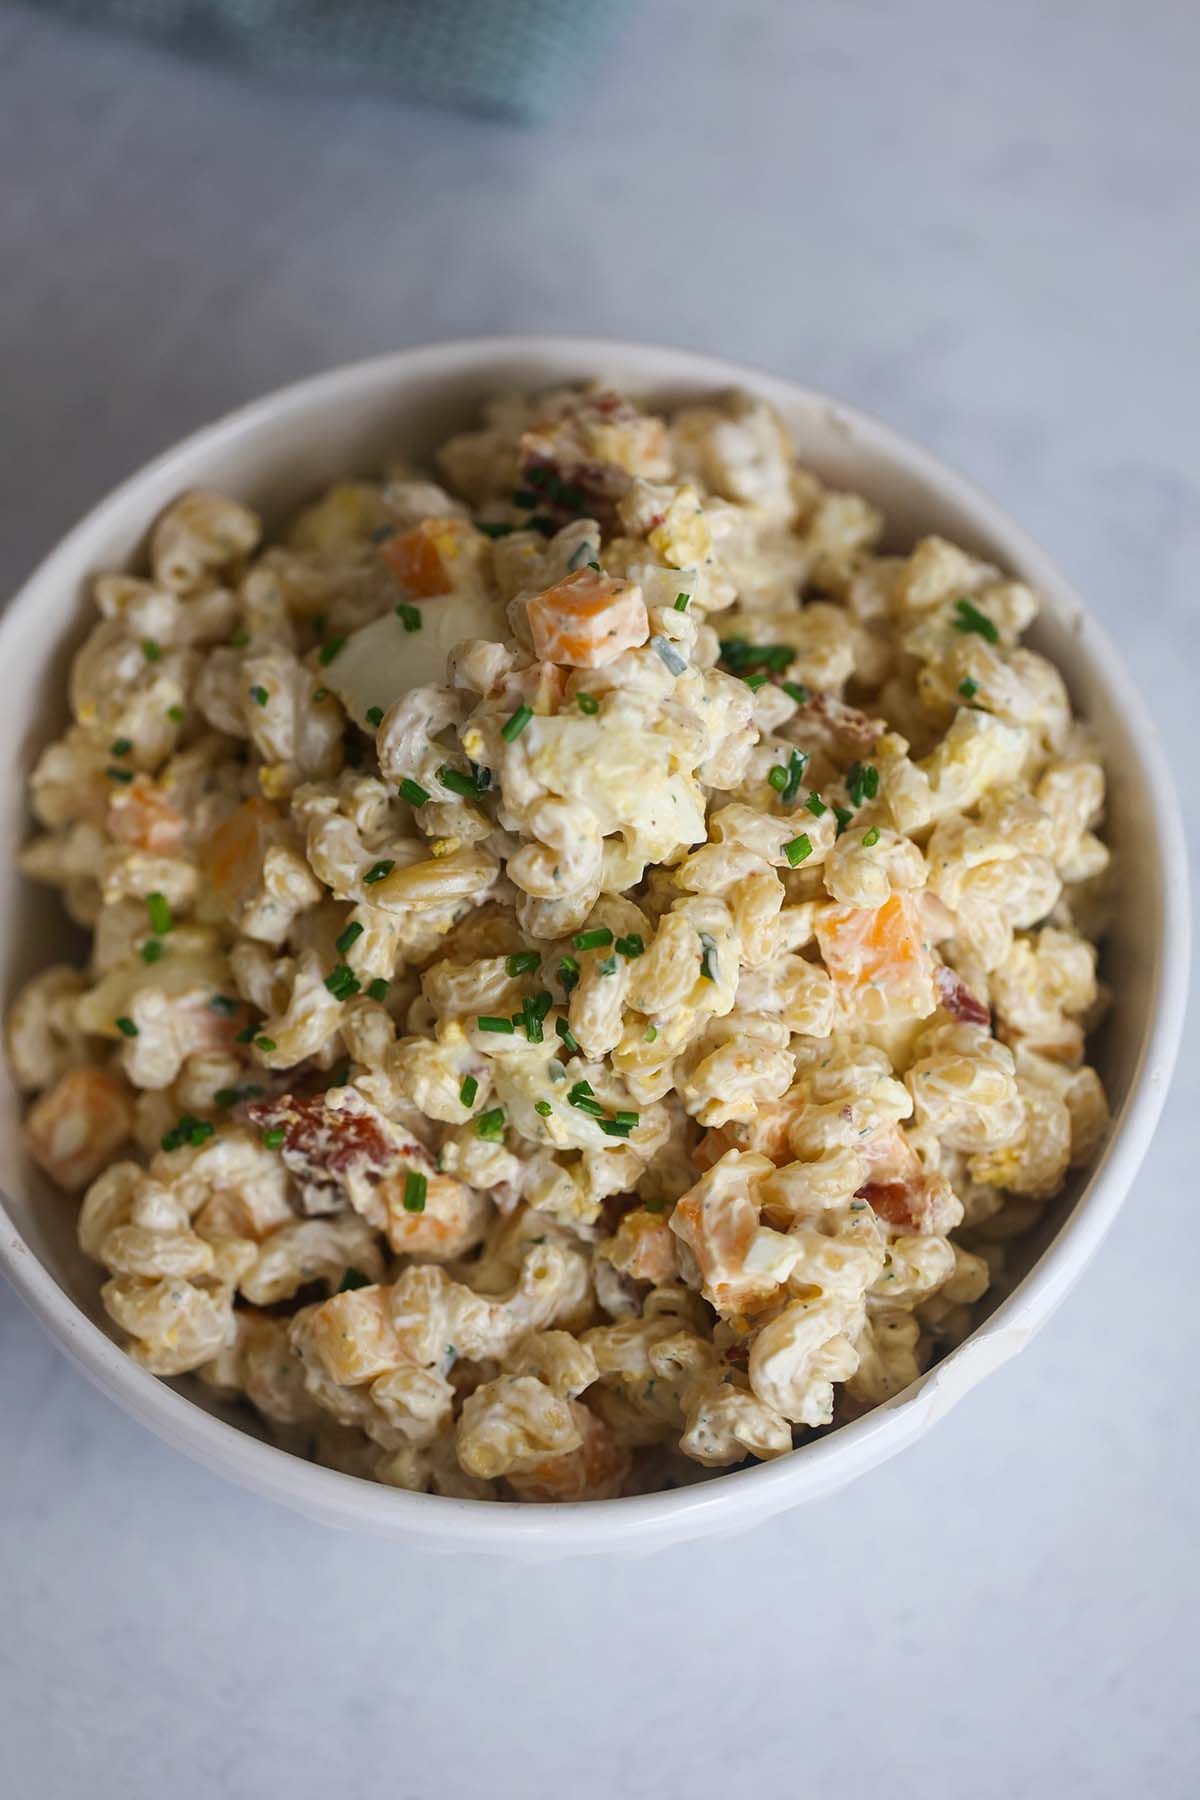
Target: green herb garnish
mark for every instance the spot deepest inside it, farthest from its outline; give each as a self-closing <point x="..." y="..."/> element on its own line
<point x="862" y="783"/>
<point x="126" y="1026"/>
<point x="125" y="776"/>
<point x="329" y="650"/>
<point x="488" y="1022"/>
<point x="409" y="616"/>
<point x="152" y="949"/>
<point x="342" y="982"/>
<point x="631" y="946"/>
<point x="971" y="619"/>
<point x="798" y="848"/>
<point x="348" y="938"/>
<point x="587" y="704"/>
<point x="968" y="688"/>
<point x="353" y="1278"/>
<point x="274" y="1138"/>
<point x="259" y="696"/>
<point x="598" y="939"/>
<point x="468" y="1090"/>
<point x="514" y="726"/>
<point x="681" y="602"/>
<point x="414" y="1192"/>
<point x="413" y="792"/>
<point x="567" y="1035"/>
<point x="490" y="1125"/>
<point x="871" y="838"/>
<point x="708" y="960"/>
<point x="796" y="690"/>
<point x="568" y="973"/>
<point x="379" y="989"/>
<point x="379" y="871"/>
<point x="375" y="715"/>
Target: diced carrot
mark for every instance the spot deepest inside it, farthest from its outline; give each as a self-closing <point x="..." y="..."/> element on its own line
<point x="231" y="856"/>
<point x="426" y="559"/>
<point x="597" y="1470"/>
<point x="880" y="964"/>
<point x="587" y="619"/>
<point x="141" y="815"/>
<point x="78" y="1125"/>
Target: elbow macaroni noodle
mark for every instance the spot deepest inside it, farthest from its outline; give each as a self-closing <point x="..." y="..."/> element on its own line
<point x="590" y="962"/>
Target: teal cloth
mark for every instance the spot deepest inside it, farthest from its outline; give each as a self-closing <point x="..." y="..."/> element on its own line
<point x="523" y="58"/>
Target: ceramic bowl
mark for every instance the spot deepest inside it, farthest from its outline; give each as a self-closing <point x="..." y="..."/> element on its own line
<point x="280" y="451"/>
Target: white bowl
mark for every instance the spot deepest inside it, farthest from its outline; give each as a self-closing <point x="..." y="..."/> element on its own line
<point x="281" y="450"/>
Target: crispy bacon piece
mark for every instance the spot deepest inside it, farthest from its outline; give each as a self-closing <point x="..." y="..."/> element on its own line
<point x="845" y="731"/>
<point x="958" y="999"/>
<point x="334" y="1150"/>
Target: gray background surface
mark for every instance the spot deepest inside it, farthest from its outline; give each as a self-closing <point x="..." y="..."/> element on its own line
<point x="980" y="222"/>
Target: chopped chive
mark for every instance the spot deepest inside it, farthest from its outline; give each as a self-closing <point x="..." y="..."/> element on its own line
<point x="152" y="949"/>
<point x="160" y="913"/>
<point x="490" y="1125"/>
<point x="533" y="1014"/>
<point x="668" y="654"/>
<point x="342" y="982"/>
<point x="567" y="1035"/>
<point x="414" y="1191"/>
<point x="598" y="939"/>
<point x="264" y="1043"/>
<point x="796" y="690"/>
<point x="581" y="1087"/>
<point x="348" y="938"/>
<point x="409" y="616"/>
<point x="120" y="746"/>
<point x="200" y="1130"/>
<point x="468" y="1090"/>
<point x="798" y="849"/>
<point x="379" y="989"/>
<point x="413" y="792"/>
<point x="543" y="1107"/>
<point x="797" y="763"/>
<point x="489" y="1022"/>
<point x="651" y="1033"/>
<point x="329" y="650"/>
<point x="523" y="962"/>
<point x="126" y="1027"/>
<point x="816" y="805"/>
<point x="862" y="783"/>
<point x="175" y="714"/>
<point x="587" y="703"/>
<point x="374" y="715"/>
<point x="274" y="1138"/>
<point x="739" y="655"/>
<point x="631" y="946"/>
<point x="628" y="1118"/>
<point x="708" y="961"/>
<point x="754" y="682"/>
<point x="246" y="1036"/>
<point x="125" y="776"/>
<point x="547" y="526"/>
<point x="843" y="818"/>
<point x="318" y="624"/>
<point x="235" y="1095"/>
<point x="353" y="1278"/>
<point x="379" y="871"/>
<point x="871" y="838"/>
<point x="568" y="973"/>
<point x="681" y="602"/>
<point x="151" y="651"/>
<point x="967" y="688"/>
<point x="555" y="1070"/>
<point x="778" y="777"/>
<point x="259" y="696"/>
<point x="491" y="530"/>
<point x="596" y="566"/>
<point x="458" y="783"/>
<point x="516" y="724"/>
<point x="221" y="1003"/>
<point x="608" y="966"/>
<point x="971" y="619"/>
<point x="614" y="1128"/>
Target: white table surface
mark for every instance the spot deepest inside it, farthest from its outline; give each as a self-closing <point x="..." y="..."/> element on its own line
<point x="979" y="221"/>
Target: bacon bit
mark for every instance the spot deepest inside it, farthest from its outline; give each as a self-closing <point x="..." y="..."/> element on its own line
<point x="846" y="728"/>
<point x="327" y="1148"/>
<point x="958" y="999"/>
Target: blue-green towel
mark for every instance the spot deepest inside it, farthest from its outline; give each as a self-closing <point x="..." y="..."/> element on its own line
<point x="520" y="57"/>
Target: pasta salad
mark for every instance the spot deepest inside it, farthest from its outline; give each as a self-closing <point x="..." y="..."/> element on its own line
<point x="590" y="955"/>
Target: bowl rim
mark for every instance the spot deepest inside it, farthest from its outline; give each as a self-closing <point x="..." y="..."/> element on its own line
<point x="741" y="1497"/>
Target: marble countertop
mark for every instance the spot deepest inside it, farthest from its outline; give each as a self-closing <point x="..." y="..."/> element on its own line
<point x="979" y="222"/>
